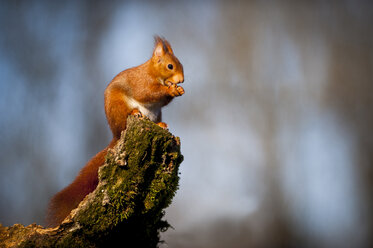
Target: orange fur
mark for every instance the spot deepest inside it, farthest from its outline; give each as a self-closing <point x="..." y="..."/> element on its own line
<point x="86" y="181"/>
<point x="147" y="87"/>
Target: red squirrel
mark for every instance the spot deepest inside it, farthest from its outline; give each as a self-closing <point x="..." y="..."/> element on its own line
<point x="141" y="90"/>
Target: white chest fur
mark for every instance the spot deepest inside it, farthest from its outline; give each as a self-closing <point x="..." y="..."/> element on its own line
<point x="151" y="111"/>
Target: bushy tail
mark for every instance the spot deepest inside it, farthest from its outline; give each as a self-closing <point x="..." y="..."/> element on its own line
<point x="69" y="198"/>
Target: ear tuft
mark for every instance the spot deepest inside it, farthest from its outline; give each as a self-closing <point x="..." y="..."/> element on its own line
<point x="167" y="44"/>
<point x="161" y="46"/>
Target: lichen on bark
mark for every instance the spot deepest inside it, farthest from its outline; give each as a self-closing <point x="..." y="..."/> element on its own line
<point x="137" y="182"/>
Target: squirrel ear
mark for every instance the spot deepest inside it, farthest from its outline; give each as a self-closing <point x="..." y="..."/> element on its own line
<point x="159" y="48"/>
<point x="168" y="46"/>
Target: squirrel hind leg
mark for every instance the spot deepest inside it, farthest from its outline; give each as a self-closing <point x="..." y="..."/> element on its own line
<point x="162" y="125"/>
<point x="137" y="113"/>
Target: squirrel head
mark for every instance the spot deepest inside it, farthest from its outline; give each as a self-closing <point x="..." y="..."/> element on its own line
<point x="168" y="68"/>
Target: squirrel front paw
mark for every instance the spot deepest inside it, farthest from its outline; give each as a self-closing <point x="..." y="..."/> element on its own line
<point x="176" y="90"/>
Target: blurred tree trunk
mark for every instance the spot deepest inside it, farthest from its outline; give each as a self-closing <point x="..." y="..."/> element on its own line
<point x="349" y="92"/>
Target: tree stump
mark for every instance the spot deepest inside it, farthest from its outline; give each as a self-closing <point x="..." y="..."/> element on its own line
<point x="137" y="182"/>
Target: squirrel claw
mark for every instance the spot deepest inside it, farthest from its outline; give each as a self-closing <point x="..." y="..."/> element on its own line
<point x="137" y="113"/>
<point x="180" y="90"/>
<point x="162" y="125"/>
<point x="176" y="90"/>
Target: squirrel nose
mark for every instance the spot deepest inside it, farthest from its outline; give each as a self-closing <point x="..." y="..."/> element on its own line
<point x="181" y="80"/>
<point x="177" y="79"/>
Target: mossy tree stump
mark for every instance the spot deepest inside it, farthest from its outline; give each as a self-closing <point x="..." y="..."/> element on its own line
<point x="137" y="182"/>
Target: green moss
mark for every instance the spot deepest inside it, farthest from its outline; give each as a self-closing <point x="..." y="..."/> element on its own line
<point x="136" y="184"/>
<point x="138" y="192"/>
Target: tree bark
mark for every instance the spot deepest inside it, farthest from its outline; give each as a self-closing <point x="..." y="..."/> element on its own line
<point x="137" y="182"/>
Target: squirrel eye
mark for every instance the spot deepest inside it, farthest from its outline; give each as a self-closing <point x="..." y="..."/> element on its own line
<point x="170" y="66"/>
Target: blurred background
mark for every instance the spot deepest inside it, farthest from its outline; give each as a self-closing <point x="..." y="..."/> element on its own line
<point x="275" y="124"/>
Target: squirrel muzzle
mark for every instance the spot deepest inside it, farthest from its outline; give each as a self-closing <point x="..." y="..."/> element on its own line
<point x="176" y="79"/>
